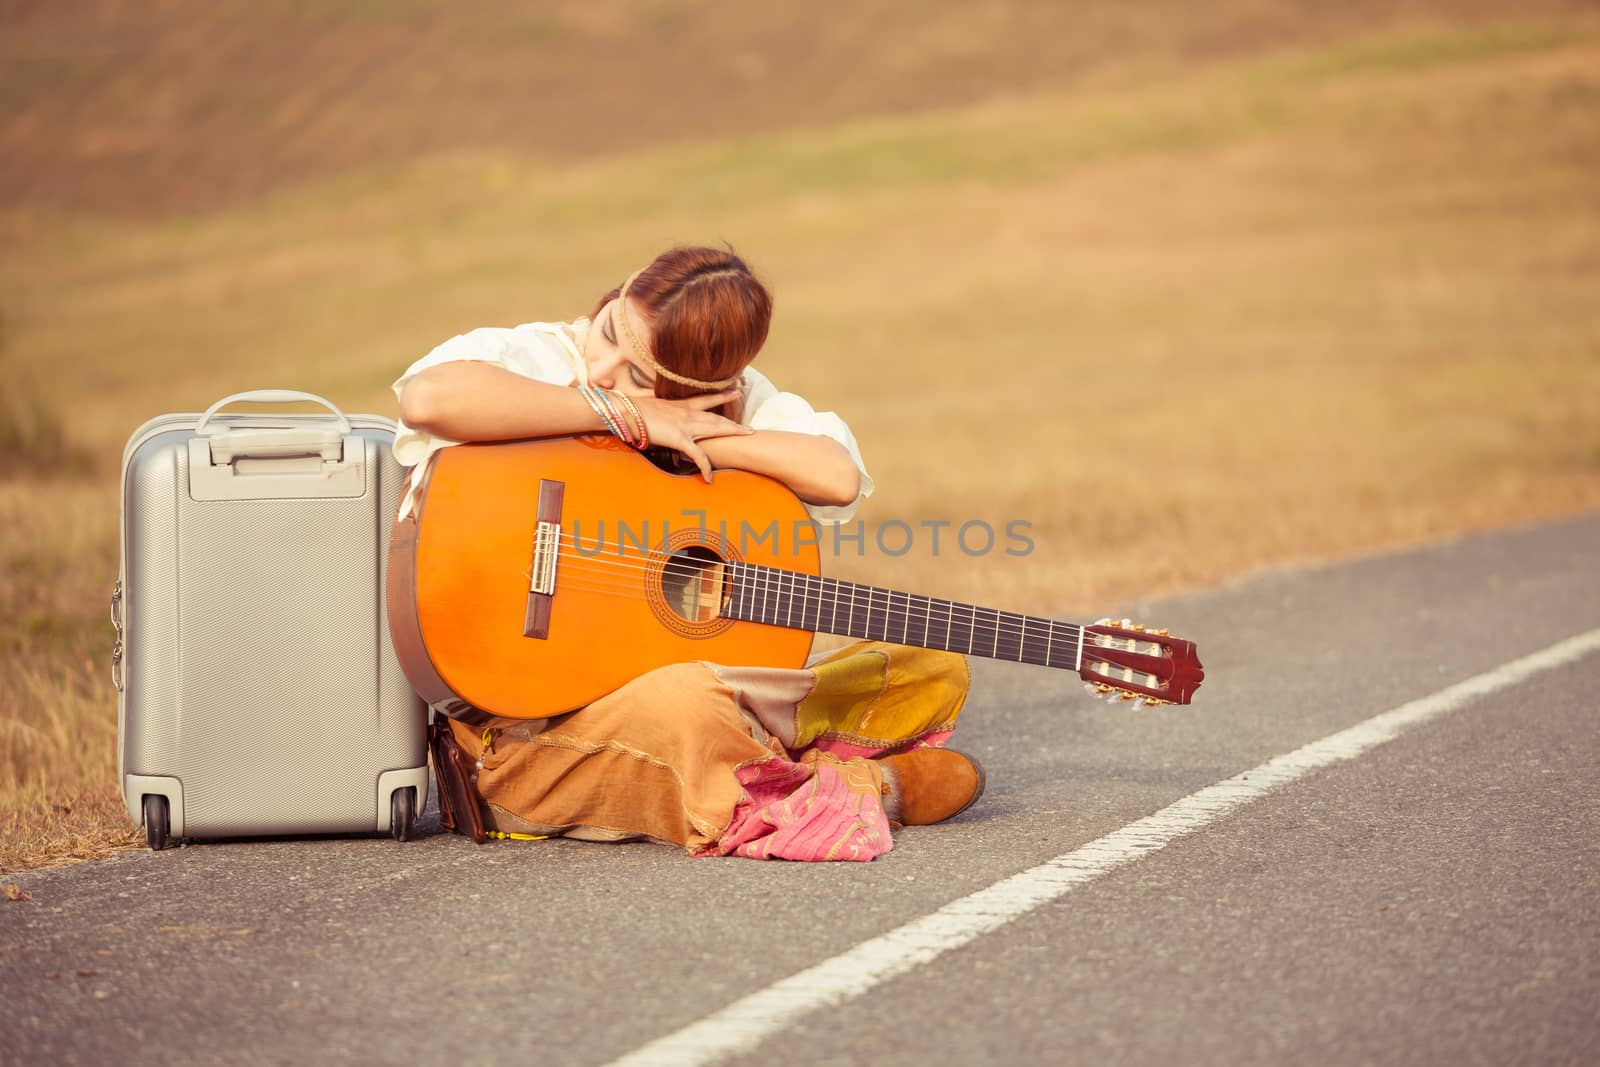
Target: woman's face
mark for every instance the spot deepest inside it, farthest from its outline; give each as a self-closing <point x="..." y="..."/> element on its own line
<point x="611" y="360"/>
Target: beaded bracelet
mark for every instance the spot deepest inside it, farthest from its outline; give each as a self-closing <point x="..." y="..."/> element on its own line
<point x="602" y="409"/>
<point x="638" y="421"/>
<point x="608" y="397"/>
<point x="610" y="405"/>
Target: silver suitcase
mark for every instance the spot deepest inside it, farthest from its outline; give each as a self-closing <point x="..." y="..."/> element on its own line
<point x="258" y="692"/>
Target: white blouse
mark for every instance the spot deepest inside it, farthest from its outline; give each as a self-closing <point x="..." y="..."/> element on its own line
<point x="553" y="352"/>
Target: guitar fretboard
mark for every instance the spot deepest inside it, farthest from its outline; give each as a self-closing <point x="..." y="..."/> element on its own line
<point x="826" y="605"/>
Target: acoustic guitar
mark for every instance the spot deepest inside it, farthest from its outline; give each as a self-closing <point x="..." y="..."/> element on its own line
<point x="532" y="577"/>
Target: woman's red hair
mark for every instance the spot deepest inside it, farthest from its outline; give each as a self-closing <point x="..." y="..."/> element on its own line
<point x="708" y="312"/>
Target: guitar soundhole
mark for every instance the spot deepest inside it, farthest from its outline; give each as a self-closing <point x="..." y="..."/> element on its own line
<point x="691" y="583"/>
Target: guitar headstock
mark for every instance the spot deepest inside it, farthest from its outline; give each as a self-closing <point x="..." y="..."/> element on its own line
<point x="1125" y="661"/>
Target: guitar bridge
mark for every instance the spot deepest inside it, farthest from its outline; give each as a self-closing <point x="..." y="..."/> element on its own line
<point x="546" y="550"/>
<point x="546" y="553"/>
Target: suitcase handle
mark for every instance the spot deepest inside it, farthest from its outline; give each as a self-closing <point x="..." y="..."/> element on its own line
<point x="276" y="444"/>
<point x="272" y="396"/>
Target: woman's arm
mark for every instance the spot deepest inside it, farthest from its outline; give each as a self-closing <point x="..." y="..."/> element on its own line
<point x="469" y="400"/>
<point x="466" y="400"/>
<point x="816" y="469"/>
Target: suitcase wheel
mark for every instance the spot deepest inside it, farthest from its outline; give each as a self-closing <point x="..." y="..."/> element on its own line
<point x="155" y="821"/>
<point x="402" y="810"/>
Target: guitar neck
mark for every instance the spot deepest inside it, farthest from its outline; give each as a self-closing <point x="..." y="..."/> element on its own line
<point x="799" y="601"/>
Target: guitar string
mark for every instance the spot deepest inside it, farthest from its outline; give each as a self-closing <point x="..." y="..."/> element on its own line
<point x="611" y="577"/>
<point x="877" y="600"/>
<point x="622" y="585"/>
<point x="1011" y="643"/>
<point x="597" y="582"/>
<point x="972" y="625"/>
<point x="692" y="569"/>
<point x="997" y="651"/>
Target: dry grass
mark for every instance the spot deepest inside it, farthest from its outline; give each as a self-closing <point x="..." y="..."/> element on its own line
<point x="1276" y="311"/>
<point x="58" y="745"/>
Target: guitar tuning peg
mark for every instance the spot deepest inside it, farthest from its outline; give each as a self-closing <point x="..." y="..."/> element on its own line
<point x="1162" y="633"/>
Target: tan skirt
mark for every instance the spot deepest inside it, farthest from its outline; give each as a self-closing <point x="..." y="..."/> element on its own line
<point x="769" y="763"/>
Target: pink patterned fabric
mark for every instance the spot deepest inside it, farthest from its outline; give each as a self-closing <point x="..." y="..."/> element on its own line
<point x="817" y="809"/>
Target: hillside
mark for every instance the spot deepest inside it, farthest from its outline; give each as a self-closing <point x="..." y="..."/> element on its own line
<point x="145" y="109"/>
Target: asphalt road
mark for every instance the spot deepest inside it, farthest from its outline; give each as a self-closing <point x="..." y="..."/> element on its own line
<point x="1433" y="900"/>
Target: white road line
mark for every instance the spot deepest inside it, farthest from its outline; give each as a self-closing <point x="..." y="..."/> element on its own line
<point x="745" y="1023"/>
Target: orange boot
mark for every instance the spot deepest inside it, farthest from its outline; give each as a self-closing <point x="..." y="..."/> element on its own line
<point x="935" y="784"/>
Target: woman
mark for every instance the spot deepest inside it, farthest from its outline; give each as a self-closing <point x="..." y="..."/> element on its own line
<point x="806" y="764"/>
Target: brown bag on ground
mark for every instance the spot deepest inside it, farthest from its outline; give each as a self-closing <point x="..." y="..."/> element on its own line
<point x="458" y="799"/>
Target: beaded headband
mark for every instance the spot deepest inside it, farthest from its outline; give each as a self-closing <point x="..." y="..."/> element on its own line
<point x="644" y="353"/>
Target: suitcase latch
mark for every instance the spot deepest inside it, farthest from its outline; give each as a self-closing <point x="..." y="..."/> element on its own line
<point x="116" y="622"/>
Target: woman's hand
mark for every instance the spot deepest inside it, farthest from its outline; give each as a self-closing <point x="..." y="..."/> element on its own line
<point x="679" y="424"/>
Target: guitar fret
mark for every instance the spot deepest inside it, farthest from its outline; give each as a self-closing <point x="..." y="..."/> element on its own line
<point x="814" y="597"/>
<point x="916" y="632"/>
<point x="961" y="627"/>
<point x="1065" y="652"/>
<point x="937" y="634"/>
<point x="797" y="601"/>
<point x="893" y="611"/>
<point x="1008" y="633"/>
<point x="1029" y="648"/>
<point x="1044" y="653"/>
<point x="833" y="617"/>
<point x="985" y="632"/>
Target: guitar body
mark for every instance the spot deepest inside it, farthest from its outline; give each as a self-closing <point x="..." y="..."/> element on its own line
<point x="636" y="581"/>
<point x="533" y="577"/>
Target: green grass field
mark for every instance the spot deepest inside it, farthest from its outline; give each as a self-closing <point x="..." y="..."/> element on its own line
<point x="1280" y="308"/>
